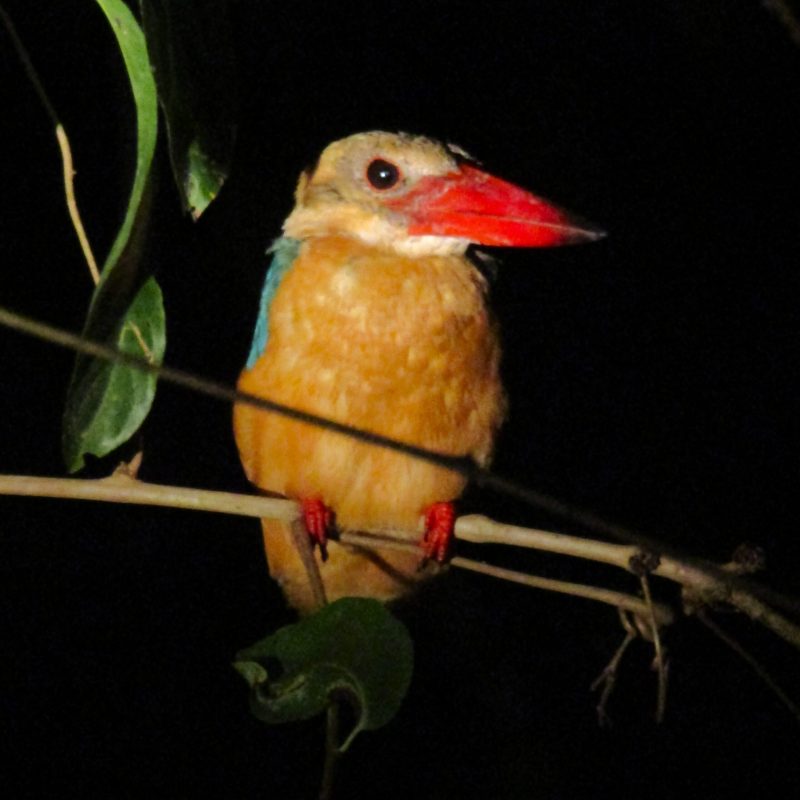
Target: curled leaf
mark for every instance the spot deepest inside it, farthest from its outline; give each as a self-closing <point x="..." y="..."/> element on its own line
<point x="353" y="647"/>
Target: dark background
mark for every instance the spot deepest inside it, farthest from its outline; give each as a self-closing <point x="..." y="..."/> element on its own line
<point x="651" y="379"/>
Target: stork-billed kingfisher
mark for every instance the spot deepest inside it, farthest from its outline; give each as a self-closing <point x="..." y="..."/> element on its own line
<point x="375" y="314"/>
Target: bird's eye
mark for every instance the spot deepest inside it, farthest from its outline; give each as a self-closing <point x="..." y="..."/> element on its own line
<point x="382" y="174"/>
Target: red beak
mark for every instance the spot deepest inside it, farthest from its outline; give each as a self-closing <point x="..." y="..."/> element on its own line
<point x="471" y="204"/>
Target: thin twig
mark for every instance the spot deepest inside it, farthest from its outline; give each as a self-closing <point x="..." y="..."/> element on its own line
<point x="608" y="677"/>
<point x="72" y="204"/>
<point x="27" y="65"/>
<point x="751" y="661"/>
<point x="608" y="596"/>
<point x="660" y="659"/>
<point x="63" y="144"/>
<point x="134" y="328"/>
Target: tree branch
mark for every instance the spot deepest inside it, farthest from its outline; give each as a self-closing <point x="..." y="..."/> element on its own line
<point x="700" y="585"/>
<point x="627" y="602"/>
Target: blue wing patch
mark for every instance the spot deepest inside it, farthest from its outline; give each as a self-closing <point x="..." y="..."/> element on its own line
<point x="284" y="252"/>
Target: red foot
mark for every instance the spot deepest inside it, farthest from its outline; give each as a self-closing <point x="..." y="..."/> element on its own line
<point x="318" y="519"/>
<point x="440" y="520"/>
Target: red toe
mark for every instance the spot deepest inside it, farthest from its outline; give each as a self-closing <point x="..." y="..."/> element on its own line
<point x="440" y="520"/>
<point x="318" y="519"/>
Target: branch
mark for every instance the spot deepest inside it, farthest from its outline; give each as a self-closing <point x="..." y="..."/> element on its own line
<point x="121" y="488"/>
<point x="663" y="614"/>
<point x="699" y="584"/>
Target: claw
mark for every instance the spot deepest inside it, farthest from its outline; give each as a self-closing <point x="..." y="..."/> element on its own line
<point x="440" y="520"/>
<point x="318" y="519"/>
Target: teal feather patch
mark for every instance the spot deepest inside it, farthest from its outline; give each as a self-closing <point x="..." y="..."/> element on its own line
<point x="284" y="252"/>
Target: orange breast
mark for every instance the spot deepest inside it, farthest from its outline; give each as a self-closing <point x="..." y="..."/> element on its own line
<point x="401" y="346"/>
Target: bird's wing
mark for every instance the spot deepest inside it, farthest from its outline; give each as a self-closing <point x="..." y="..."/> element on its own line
<point x="284" y="252"/>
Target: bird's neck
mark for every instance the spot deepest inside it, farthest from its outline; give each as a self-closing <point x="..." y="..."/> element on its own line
<point x="382" y="231"/>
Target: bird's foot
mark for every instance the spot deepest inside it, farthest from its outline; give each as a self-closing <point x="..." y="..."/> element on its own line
<point x="440" y="521"/>
<point x="318" y="519"/>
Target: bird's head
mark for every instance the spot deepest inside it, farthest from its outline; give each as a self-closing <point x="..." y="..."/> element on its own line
<point x="417" y="196"/>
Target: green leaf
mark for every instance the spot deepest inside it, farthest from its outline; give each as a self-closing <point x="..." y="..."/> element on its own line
<point x="353" y="646"/>
<point x="106" y="402"/>
<point x="192" y="52"/>
<point x="114" y="399"/>
<point x="140" y="74"/>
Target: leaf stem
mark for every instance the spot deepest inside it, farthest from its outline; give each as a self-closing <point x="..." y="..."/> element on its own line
<point x="332" y="752"/>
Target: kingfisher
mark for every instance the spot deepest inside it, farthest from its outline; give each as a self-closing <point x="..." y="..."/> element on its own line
<point x="374" y="314"/>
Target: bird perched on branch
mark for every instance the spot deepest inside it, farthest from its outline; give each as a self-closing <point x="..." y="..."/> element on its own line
<point x="374" y="314"/>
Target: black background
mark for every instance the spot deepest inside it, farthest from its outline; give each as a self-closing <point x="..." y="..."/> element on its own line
<point x="651" y="379"/>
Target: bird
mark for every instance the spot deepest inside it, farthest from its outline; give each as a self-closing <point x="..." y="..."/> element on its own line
<point x="374" y="313"/>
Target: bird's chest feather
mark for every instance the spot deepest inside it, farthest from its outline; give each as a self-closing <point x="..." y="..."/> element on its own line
<point x="404" y="347"/>
<point x="373" y="322"/>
